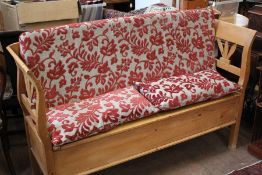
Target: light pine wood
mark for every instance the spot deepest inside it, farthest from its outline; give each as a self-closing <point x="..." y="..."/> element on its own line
<point x="148" y="121"/>
<point x="145" y="137"/>
<point x="36" y="125"/>
<point x="235" y="127"/>
<point x="140" y="137"/>
<point x="243" y="37"/>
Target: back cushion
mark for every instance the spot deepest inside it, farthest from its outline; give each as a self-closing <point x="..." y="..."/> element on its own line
<point x="83" y="60"/>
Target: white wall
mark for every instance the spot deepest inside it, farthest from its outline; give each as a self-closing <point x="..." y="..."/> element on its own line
<point x="146" y="3"/>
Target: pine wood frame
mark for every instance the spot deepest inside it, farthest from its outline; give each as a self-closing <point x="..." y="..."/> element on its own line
<point x="140" y="137"/>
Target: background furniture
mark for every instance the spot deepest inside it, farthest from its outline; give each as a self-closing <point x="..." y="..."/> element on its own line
<point x="32" y="15"/>
<point x="247" y="4"/>
<point x="255" y="22"/>
<point x="3" y="125"/>
<point x="255" y="148"/>
<point x="190" y="4"/>
<point x="255" y="16"/>
<point x="236" y="19"/>
<point x="90" y="12"/>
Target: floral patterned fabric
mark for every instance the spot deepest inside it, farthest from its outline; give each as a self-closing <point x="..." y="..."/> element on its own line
<point x="174" y="92"/>
<point x="84" y="60"/>
<point x="75" y="121"/>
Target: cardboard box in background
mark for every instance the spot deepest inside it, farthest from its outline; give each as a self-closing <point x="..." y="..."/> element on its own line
<point x="27" y="15"/>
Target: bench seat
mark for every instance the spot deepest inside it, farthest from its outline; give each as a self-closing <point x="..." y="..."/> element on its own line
<point x="74" y="121"/>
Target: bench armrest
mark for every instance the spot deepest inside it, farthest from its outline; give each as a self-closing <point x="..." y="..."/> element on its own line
<point x="228" y="37"/>
<point x="32" y="101"/>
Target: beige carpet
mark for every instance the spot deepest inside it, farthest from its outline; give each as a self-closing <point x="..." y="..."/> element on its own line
<point x="206" y="155"/>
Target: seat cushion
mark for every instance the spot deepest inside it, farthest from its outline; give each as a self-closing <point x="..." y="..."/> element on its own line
<point x="178" y="91"/>
<point x="74" y="121"/>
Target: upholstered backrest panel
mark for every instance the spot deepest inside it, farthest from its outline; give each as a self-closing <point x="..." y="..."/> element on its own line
<point x="87" y="59"/>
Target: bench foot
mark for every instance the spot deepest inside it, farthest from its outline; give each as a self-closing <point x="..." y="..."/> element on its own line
<point x="234" y="131"/>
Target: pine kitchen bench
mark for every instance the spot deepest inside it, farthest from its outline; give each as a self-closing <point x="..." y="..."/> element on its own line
<point x="100" y="93"/>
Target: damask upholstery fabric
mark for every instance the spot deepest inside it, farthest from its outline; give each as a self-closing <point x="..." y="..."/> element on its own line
<point x="178" y="91"/>
<point x="75" y="121"/>
<point x="84" y="60"/>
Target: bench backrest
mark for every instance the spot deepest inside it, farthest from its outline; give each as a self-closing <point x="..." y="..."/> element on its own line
<point x="84" y="60"/>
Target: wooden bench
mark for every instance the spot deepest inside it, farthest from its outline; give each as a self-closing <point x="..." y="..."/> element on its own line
<point x="140" y="137"/>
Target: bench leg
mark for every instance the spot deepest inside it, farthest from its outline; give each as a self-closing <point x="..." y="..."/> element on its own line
<point x="34" y="166"/>
<point x="234" y="135"/>
<point x="234" y="130"/>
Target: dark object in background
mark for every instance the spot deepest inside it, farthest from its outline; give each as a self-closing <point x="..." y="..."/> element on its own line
<point x="255" y="147"/>
<point x="7" y="38"/>
<point x="121" y="5"/>
<point x="3" y="125"/>
<point x="255" y="17"/>
<point x="255" y="22"/>
<point x="245" y="5"/>
<point x="9" y="107"/>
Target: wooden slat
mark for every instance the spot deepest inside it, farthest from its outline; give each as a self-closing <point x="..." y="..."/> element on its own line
<point x="231" y="51"/>
<point x="225" y="51"/>
<point x="220" y="46"/>
<point x="28" y="106"/>
<point x="230" y="68"/>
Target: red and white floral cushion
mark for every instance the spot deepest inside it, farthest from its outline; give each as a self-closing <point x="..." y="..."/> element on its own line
<point x="174" y="92"/>
<point x="75" y="121"/>
<point x="83" y="60"/>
